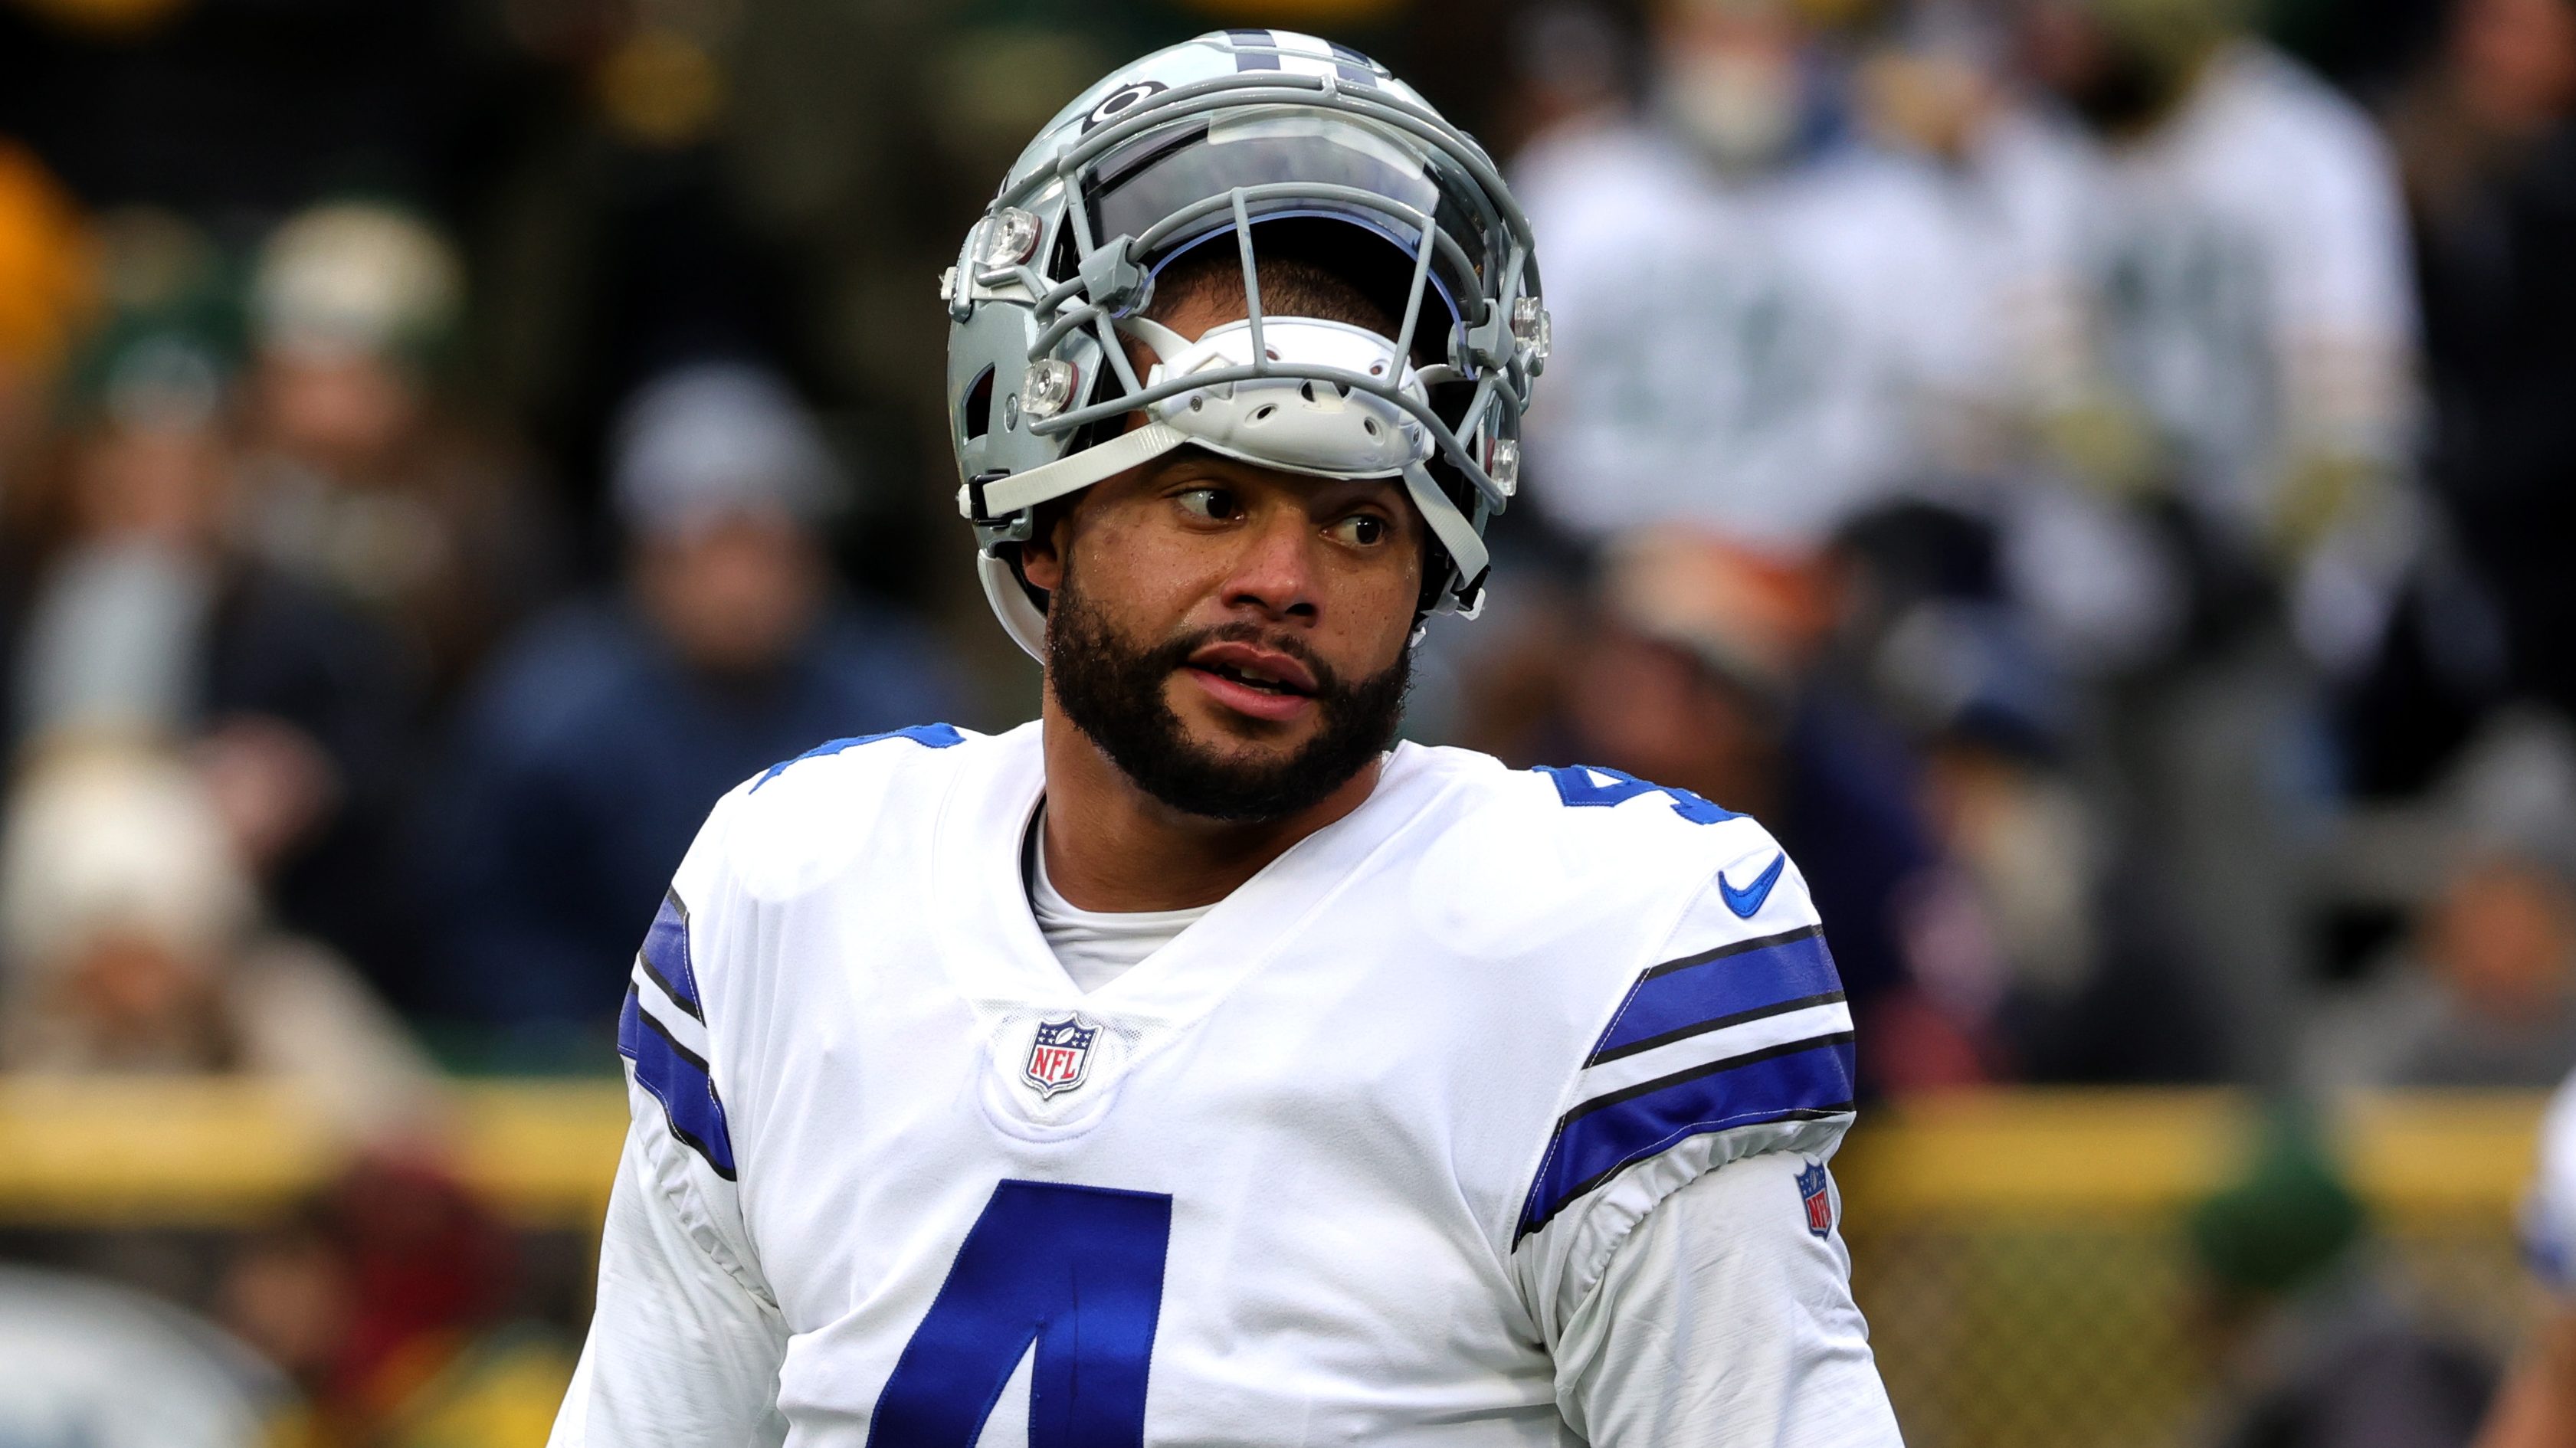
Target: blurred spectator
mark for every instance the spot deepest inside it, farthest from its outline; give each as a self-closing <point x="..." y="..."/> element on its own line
<point x="2243" y="330"/>
<point x="389" y="1300"/>
<point x="1932" y="80"/>
<point x="2485" y="992"/>
<point x="362" y="479"/>
<point x="1762" y="324"/>
<point x="599" y="741"/>
<point x="131" y="940"/>
<point x="1699" y="673"/>
<point x="144" y="617"/>
<point x="2230" y="367"/>
<point x="86" y="1365"/>
<point x="2314" y="1345"/>
<point x="2488" y="135"/>
<point x="2087" y="992"/>
<point x="1937" y="81"/>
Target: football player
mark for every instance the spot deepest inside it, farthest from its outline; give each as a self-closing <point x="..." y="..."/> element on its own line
<point x="2535" y="1406"/>
<point x="1767" y="327"/>
<point x="1187" y="1067"/>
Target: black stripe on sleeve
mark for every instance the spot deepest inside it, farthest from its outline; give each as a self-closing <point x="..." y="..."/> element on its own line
<point x="1739" y="947"/>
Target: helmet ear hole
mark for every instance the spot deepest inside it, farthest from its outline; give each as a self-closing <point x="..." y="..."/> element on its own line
<point x="1436" y="569"/>
<point x="976" y="413"/>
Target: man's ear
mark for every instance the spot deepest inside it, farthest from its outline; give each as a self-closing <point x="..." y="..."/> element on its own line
<point x="1042" y="557"/>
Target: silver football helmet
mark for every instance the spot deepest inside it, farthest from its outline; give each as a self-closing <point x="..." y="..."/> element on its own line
<point x="1265" y="142"/>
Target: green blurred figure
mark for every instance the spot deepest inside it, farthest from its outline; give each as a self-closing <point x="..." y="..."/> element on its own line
<point x="2314" y="1346"/>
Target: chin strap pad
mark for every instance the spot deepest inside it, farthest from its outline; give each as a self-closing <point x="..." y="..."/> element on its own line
<point x="1451" y="527"/>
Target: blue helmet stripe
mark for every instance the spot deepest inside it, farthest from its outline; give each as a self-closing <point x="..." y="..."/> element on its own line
<point x="678" y="1079"/>
<point x="1254" y="49"/>
<point x="1351" y="65"/>
<point x="1799" y="1081"/>
<point x="1741" y="981"/>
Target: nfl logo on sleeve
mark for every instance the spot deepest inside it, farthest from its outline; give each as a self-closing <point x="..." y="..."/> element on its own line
<point x="1060" y="1056"/>
<point x="1820" y="1206"/>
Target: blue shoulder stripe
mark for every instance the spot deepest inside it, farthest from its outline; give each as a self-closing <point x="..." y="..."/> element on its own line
<point x="934" y="736"/>
<point x="1744" y="981"/>
<point x="1597" y="1140"/>
<point x="678" y="1079"/>
<point x="665" y="955"/>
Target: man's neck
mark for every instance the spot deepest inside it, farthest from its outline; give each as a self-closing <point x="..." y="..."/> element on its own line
<point x="1111" y="847"/>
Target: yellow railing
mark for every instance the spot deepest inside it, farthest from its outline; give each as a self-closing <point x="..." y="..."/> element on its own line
<point x="163" y="1152"/>
<point x="2023" y="1262"/>
<point x="2128" y="1151"/>
<point x="2020" y="1254"/>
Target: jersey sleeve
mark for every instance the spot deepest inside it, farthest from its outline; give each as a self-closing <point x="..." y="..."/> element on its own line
<point x="1732" y="1041"/>
<point x="1727" y="1317"/>
<point x="2549" y="1212"/>
<point x="686" y="1336"/>
<point x="2344" y="306"/>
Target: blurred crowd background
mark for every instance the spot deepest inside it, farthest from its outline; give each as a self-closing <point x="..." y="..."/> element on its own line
<point x="2095" y="476"/>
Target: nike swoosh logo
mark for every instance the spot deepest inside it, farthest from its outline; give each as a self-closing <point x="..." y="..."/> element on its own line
<point x="1746" y="901"/>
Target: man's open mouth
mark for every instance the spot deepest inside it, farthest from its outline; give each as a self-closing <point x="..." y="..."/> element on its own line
<point x="1266" y="671"/>
<point x="1251" y="680"/>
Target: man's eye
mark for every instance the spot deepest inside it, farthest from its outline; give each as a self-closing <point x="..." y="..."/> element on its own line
<point x="1363" y="529"/>
<point x="1215" y="504"/>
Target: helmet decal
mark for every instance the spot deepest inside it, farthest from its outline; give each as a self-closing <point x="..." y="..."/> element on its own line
<point x="1118" y="101"/>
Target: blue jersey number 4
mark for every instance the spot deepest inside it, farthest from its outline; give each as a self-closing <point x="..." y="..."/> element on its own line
<point x="1582" y="784"/>
<point x="1076" y="1270"/>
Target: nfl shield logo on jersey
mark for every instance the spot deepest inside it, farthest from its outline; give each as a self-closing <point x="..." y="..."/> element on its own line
<point x="1060" y="1056"/>
<point x="1820" y="1206"/>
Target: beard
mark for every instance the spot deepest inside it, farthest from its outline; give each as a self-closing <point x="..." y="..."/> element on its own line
<point x="1112" y="690"/>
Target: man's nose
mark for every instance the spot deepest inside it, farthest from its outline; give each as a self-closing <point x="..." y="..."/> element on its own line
<point x="1275" y="570"/>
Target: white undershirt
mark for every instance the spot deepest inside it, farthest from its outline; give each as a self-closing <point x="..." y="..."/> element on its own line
<point x="1095" y="947"/>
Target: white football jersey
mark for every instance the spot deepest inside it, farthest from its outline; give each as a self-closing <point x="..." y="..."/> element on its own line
<point x="1345" y="1162"/>
<point x="2549" y="1212"/>
<point x="2245" y="270"/>
<point x="1764" y="356"/>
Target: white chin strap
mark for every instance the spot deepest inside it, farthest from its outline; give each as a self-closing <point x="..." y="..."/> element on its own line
<point x="1292" y="422"/>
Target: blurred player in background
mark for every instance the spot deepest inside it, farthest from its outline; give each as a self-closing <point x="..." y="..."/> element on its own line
<point x="1187" y="1067"/>
<point x="2536" y="1407"/>
<point x="1761" y="317"/>
<point x="2219" y="338"/>
<point x="2245" y="321"/>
